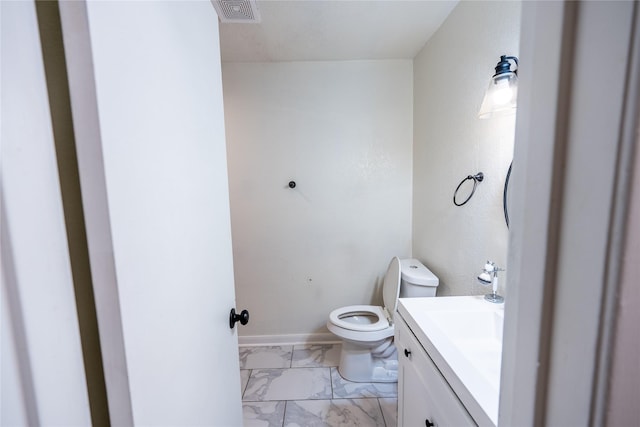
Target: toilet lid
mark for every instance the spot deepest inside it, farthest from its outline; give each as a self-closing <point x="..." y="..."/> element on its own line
<point x="391" y="286"/>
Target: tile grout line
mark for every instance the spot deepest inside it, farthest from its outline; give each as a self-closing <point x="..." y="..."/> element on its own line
<point x="331" y="382"/>
<point x="291" y="358"/>
<point x="296" y="367"/>
<point x="284" y="413"/>
<point x="247" y="384"/>
<point x="384" y="420"/>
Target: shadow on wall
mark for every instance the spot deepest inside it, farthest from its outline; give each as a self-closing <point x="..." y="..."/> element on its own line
<point x="376" y="292"/>
<point x="12" y="306"/>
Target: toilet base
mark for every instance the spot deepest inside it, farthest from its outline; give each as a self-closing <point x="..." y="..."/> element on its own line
<point x="369" y="364"/>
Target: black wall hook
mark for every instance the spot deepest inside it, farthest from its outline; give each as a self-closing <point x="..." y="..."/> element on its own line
<point x="292" y="184"/>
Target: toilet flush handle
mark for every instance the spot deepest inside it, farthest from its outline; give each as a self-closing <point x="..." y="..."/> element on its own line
<point x="243" y="317"/>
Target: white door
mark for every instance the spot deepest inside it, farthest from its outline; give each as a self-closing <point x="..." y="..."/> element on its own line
<point x="146" y="96"/>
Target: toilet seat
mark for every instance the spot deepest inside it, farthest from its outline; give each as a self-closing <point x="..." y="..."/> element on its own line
<point x="371" y="318"/>
<point x="355" y="318"/>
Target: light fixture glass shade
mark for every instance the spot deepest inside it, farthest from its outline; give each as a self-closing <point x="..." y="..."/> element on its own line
<point x="501" y="96"/>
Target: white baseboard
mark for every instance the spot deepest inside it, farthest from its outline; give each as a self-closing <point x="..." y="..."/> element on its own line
<point x="289" y="339"/>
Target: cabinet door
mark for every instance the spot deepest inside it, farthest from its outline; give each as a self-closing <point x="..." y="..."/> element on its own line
<point x="415" y="409"/>
<point x="424" y="396"/>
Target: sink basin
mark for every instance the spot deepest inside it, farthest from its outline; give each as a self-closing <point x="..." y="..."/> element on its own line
<point x="478" y="337"/>
<point x="463" y="336"/>
<point x="474" y="325"/>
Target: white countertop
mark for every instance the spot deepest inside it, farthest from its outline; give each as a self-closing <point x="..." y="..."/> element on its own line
<point x="463" y="336"/>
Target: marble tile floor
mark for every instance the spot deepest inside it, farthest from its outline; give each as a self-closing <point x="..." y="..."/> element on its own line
<point x="291" y="386"/>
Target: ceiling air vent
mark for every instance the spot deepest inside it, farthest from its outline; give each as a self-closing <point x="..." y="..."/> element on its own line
<point x="237" y="11"/>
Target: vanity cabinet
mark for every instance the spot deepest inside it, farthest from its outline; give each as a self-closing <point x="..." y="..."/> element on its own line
<point x="424" y="396"/>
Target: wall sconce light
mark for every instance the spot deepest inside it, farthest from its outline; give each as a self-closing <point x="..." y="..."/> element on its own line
<point x="502" y="93"/>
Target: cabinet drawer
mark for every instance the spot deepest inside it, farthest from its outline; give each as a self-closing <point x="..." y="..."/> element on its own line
<point x="423" y="391"/>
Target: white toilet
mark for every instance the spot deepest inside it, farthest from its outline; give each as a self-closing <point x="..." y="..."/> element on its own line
<point x="368" y="353"/>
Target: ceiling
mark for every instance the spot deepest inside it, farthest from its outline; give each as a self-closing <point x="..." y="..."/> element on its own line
<point x="326" y="30"/>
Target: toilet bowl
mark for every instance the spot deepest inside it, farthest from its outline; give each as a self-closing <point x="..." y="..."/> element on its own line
<point x="368" y="353"/>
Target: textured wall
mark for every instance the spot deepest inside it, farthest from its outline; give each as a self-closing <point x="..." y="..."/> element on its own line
<point x="342" y="131"/>
<point x="451" y="74"/>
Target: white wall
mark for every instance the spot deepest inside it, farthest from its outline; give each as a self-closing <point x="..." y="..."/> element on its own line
<point x="42" y="365"/>
<point x="451" y="74"/>
<point x="342" y="131"/>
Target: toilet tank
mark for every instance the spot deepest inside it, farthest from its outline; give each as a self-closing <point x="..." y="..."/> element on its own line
<point x="416" y="279"/>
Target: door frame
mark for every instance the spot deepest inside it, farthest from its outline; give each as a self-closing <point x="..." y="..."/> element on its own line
<point x="564" y="267"/>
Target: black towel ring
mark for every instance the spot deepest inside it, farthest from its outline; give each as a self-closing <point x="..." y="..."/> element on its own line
<point x="476" y="179"/>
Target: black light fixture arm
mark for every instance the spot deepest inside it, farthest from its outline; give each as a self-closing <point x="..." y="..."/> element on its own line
<point x="504" y="66"/>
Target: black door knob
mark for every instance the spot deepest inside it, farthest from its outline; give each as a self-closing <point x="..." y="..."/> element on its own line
<point x="243" y="317"/>
<point x="407" y="352"/>
<point x="428" y="423"/>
